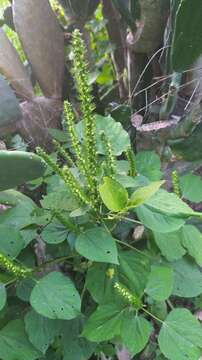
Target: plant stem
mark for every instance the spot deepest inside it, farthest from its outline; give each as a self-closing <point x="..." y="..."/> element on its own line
<point x="153" y="316"/>
<point x="133" y="248"/>
<point x="54" y="261"/>
<point x="170" y="304"/>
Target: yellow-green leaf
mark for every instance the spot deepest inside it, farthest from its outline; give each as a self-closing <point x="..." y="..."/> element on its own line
<point x="141" y="195"/>
<point x="113" y="194"/>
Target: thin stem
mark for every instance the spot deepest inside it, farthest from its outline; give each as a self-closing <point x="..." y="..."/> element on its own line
<point x="153" y="316"/>
<point x="133" y="248"/>
<point x="54" y="261"/>
<point x="11" y="281"/>
<point x="132" y="220"/>
<point x="170" y="304"/>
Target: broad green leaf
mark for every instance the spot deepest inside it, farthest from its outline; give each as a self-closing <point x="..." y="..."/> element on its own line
<point x="148" y="164"/>
<point x="10" y="110"/>
<point x="133" y="271"/>
<point x="113" y="195"/>
<point x="158" y="221"/>
<point x="131" y="182"/>
<point x="99" y="284"/>
<point x="40" y="330"/>
<point x="191" y="187"/>
<point x="170" y="204"/>
<point x="14" y="343"/>
<point x="187" y="278"/>
<point x="117" y="136"/>
<point x="180" y="337"/>
<point x="170" y="244"/>
<point x="12" y="197"/>
<point x="192" y="241"/>
<point x="3" y="296"/>
<point x="54" y="233"/>
<point x="186" y="45"/>
<point x="97" y="244"/>
<point x="135" y="333"/>
<point x="160" y="283"/>
<point x="122" y="167"/>
<point x="159" y="309"/>
<point x="74" y="346"/>
<point x="11" y="241"/>
<point x="58" y="135"/>
<point x="141" y="195"/>
<point x="105" y="323"/>
<point x="114" y="131"/>
<point x="19" y="215"/>
<point x="56" y="297"/>
<point x="60" y="200"/>
<point x="24" y="289"/>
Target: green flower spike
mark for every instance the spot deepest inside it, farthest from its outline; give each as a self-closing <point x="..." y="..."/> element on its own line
<point x="12" y="268"/>
<point x="175" y="183"/>
<point x="131" y="159"/>
<point x="67" y="176"/>
<point x="70" y="123"/>
<point x="130" y="298"/>
<point x="63" y="153"/>
<point x="109" y="158"/>
<point x="81" y="75"/>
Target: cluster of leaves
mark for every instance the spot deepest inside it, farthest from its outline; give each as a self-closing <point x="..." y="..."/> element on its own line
<point x="95" y="287"/>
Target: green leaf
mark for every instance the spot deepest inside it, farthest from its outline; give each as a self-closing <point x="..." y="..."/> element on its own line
<point x="133" y="271"/>
<point x="100" y="286"/>
<point x="3" y="296"/>
<point x="170" y="244"/>
<point x="192" y="241"/>
<point x="170" y="204"/>
<point x="135" y="333"/>
<point x="160" y="283"/>
<point x="158" y="221"/>
<point x="60" y="200"/>
<point x="159" y="309"/>
<point x="40" y="330"/>
<point x="56" y="297"/>
<point x="105" y="323"/>
<point x="180" y="337"/>
<point x="141" y="195"/>
<point x="19" y="215"/>
<point x="113" y="195"/>
<point x="11" y="241"/>
<point x="24" y="289"/>
<point x="186" y="46"/>
<point x="74" y="346"/>
<point x="58" y="135"/>
<point x="191" y="187"/>
<point x="9" y="105"/>
<point x="14" y="343"/>
<point x="131" y="182"/>
<point x="19" y="168"/>
<point x="148" y="163"/>
<point x="54" y="233"/>
<point x="97" y="245"/>
<point x="187" y="278"/>
<point x="114" y="131"/>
